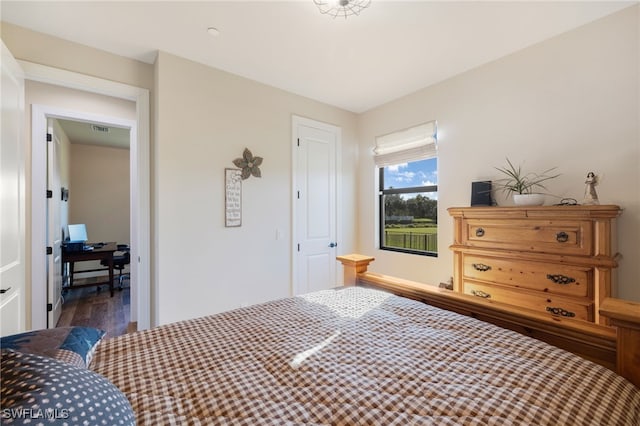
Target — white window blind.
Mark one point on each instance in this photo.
(415, 143)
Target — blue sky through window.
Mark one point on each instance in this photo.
(415, 173)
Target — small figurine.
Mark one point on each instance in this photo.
(590, 196)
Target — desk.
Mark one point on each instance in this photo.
(102, 253)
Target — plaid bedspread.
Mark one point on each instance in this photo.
(357, 356)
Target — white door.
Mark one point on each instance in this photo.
(54, 229)
(315, 198)
(12, 198)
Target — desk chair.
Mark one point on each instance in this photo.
(120, 261)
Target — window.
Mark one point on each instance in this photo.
(408, 191)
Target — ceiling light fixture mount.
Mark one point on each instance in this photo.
(342, 8)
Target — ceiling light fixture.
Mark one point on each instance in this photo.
(344, 8)
(214, 32)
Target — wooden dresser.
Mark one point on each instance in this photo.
(553, 259)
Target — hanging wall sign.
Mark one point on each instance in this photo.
(233, 197)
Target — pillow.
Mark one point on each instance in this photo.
(37, 389)
(74, 345)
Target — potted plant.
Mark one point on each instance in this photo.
(523, 185)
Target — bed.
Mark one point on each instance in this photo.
(357, 356)
(350, 356)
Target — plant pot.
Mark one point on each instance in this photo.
(528, 199)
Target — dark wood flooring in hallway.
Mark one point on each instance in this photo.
(92, 308)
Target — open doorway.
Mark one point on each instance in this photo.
(140, 185)
(141, 307)
(89, 166)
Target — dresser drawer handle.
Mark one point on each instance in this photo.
(479, 232)
(481, 267)
(560, 279)
(562, 237)
(560, 311)
(480, 293)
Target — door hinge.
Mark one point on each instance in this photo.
(49, 307)
(49, 193)
(298, 141)
(49, 137)
(49, 250)
(298, 195)
(298, 246)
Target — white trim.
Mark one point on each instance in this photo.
(38, 223)
(296, 122)
(339, 212)
(73, 80)
(140, 185)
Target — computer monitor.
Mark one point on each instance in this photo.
(78, 233)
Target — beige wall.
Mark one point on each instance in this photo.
(570, 102)
(201, 266)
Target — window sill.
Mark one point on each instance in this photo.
(418, 252)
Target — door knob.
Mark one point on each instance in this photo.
(332, 245)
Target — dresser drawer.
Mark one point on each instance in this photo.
(547, 277)
(541, 302)
(559, 258)
(543, 236)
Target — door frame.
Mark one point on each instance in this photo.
(40, 115)
(297, 121)
(54, 236)
(139, 159)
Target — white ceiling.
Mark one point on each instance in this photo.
(392, 49)
(85, 133)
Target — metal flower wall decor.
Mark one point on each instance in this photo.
(249, 164)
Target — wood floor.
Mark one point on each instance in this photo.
(89, 307)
